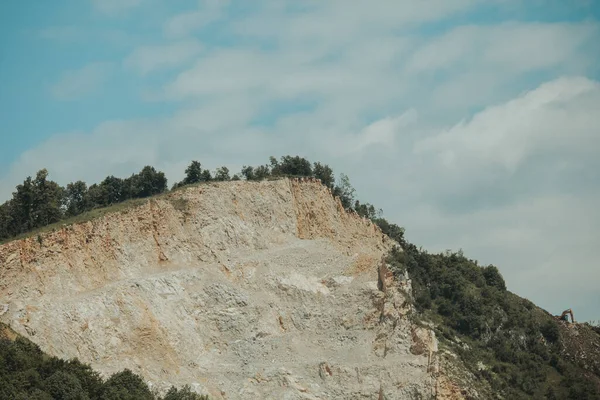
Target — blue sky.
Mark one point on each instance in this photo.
(471, 123)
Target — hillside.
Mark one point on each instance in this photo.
(240, 289)
(273, 290)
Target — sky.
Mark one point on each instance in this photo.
(473, 124)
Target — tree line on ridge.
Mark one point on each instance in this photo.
(40, 201)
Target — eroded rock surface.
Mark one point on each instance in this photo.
(264, 290)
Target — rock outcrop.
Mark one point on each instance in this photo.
(245, 290)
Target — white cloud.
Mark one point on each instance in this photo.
(80, 82)
(371, 58)
(557, 116)
(115, 7)
(518, 186)
(185, 23)
(344, 82)
(335, 22)
(146, 59)
(536, 45)
(513, 46)
(381, 134)
(484, 63)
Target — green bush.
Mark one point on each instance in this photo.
(493, 277)
(184, 393)
(63, 385)
(550, 331)
(125, 385)
(27, 373)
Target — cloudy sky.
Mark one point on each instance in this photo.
(473, 124)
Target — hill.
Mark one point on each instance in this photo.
(239, 289)
(273, 289)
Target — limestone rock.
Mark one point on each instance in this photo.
(244, 290)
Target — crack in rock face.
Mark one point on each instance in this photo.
(244, 290)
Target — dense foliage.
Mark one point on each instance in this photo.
(26, 373)
(40, 202)
(519, 344)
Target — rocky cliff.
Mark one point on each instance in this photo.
(245, 290)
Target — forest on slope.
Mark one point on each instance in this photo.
(517, 349)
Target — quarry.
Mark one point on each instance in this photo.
(244, 290)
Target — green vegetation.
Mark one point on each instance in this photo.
(26, 373)
(519, 344)
(40, 202)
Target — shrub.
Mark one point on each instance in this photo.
(494, 278)
(550, 331)
(184, 393)
(63, 385)
(125, 385)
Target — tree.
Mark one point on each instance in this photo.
(148, 182)
(394, 231)
(22, 207)
(34, 394)
(248, 172)
(114, 190)
(91, 380)
(47, 200)
(193, 173)
(261, 172)
(6, 225)
(95, 196)
(493, 277)
(35, 203)
(255, 174)
(63, 385)
(324, 173)
(367, 210)
(222, 174)
(550, 331)
(185, 393)
(274, 164)
(206, 176)
(291, 166)
(125, 385)
(345, 191)
(77, 199)
(111, 190)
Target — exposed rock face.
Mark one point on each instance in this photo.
(264, 290)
